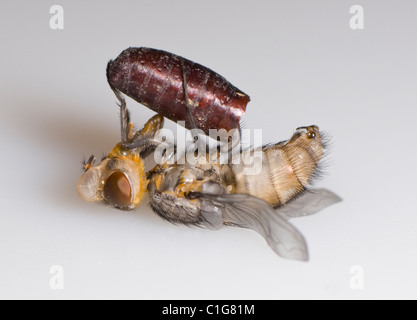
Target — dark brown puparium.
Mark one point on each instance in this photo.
(154, 78)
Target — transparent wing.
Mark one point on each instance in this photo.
(246, 211)
(310, 202)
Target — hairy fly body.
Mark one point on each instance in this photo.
(211, 194)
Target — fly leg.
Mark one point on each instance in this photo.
(185, 87)
(234, 146)
(143, 138)
(125, 125)
(232, 143)
(198, 141)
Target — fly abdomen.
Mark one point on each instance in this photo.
(287, 168)
(155, 78)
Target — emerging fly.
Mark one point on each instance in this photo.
(206, 192)
(212, 194)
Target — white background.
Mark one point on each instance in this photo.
(301, 64)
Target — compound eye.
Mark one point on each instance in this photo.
(117, 190)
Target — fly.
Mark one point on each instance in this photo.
(212, 194)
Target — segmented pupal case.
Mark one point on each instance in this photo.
(155, 78)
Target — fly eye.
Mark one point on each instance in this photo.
(117, 190)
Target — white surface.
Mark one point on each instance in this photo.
(300, 63)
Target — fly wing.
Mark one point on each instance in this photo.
(310, 202)
(250, 212)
